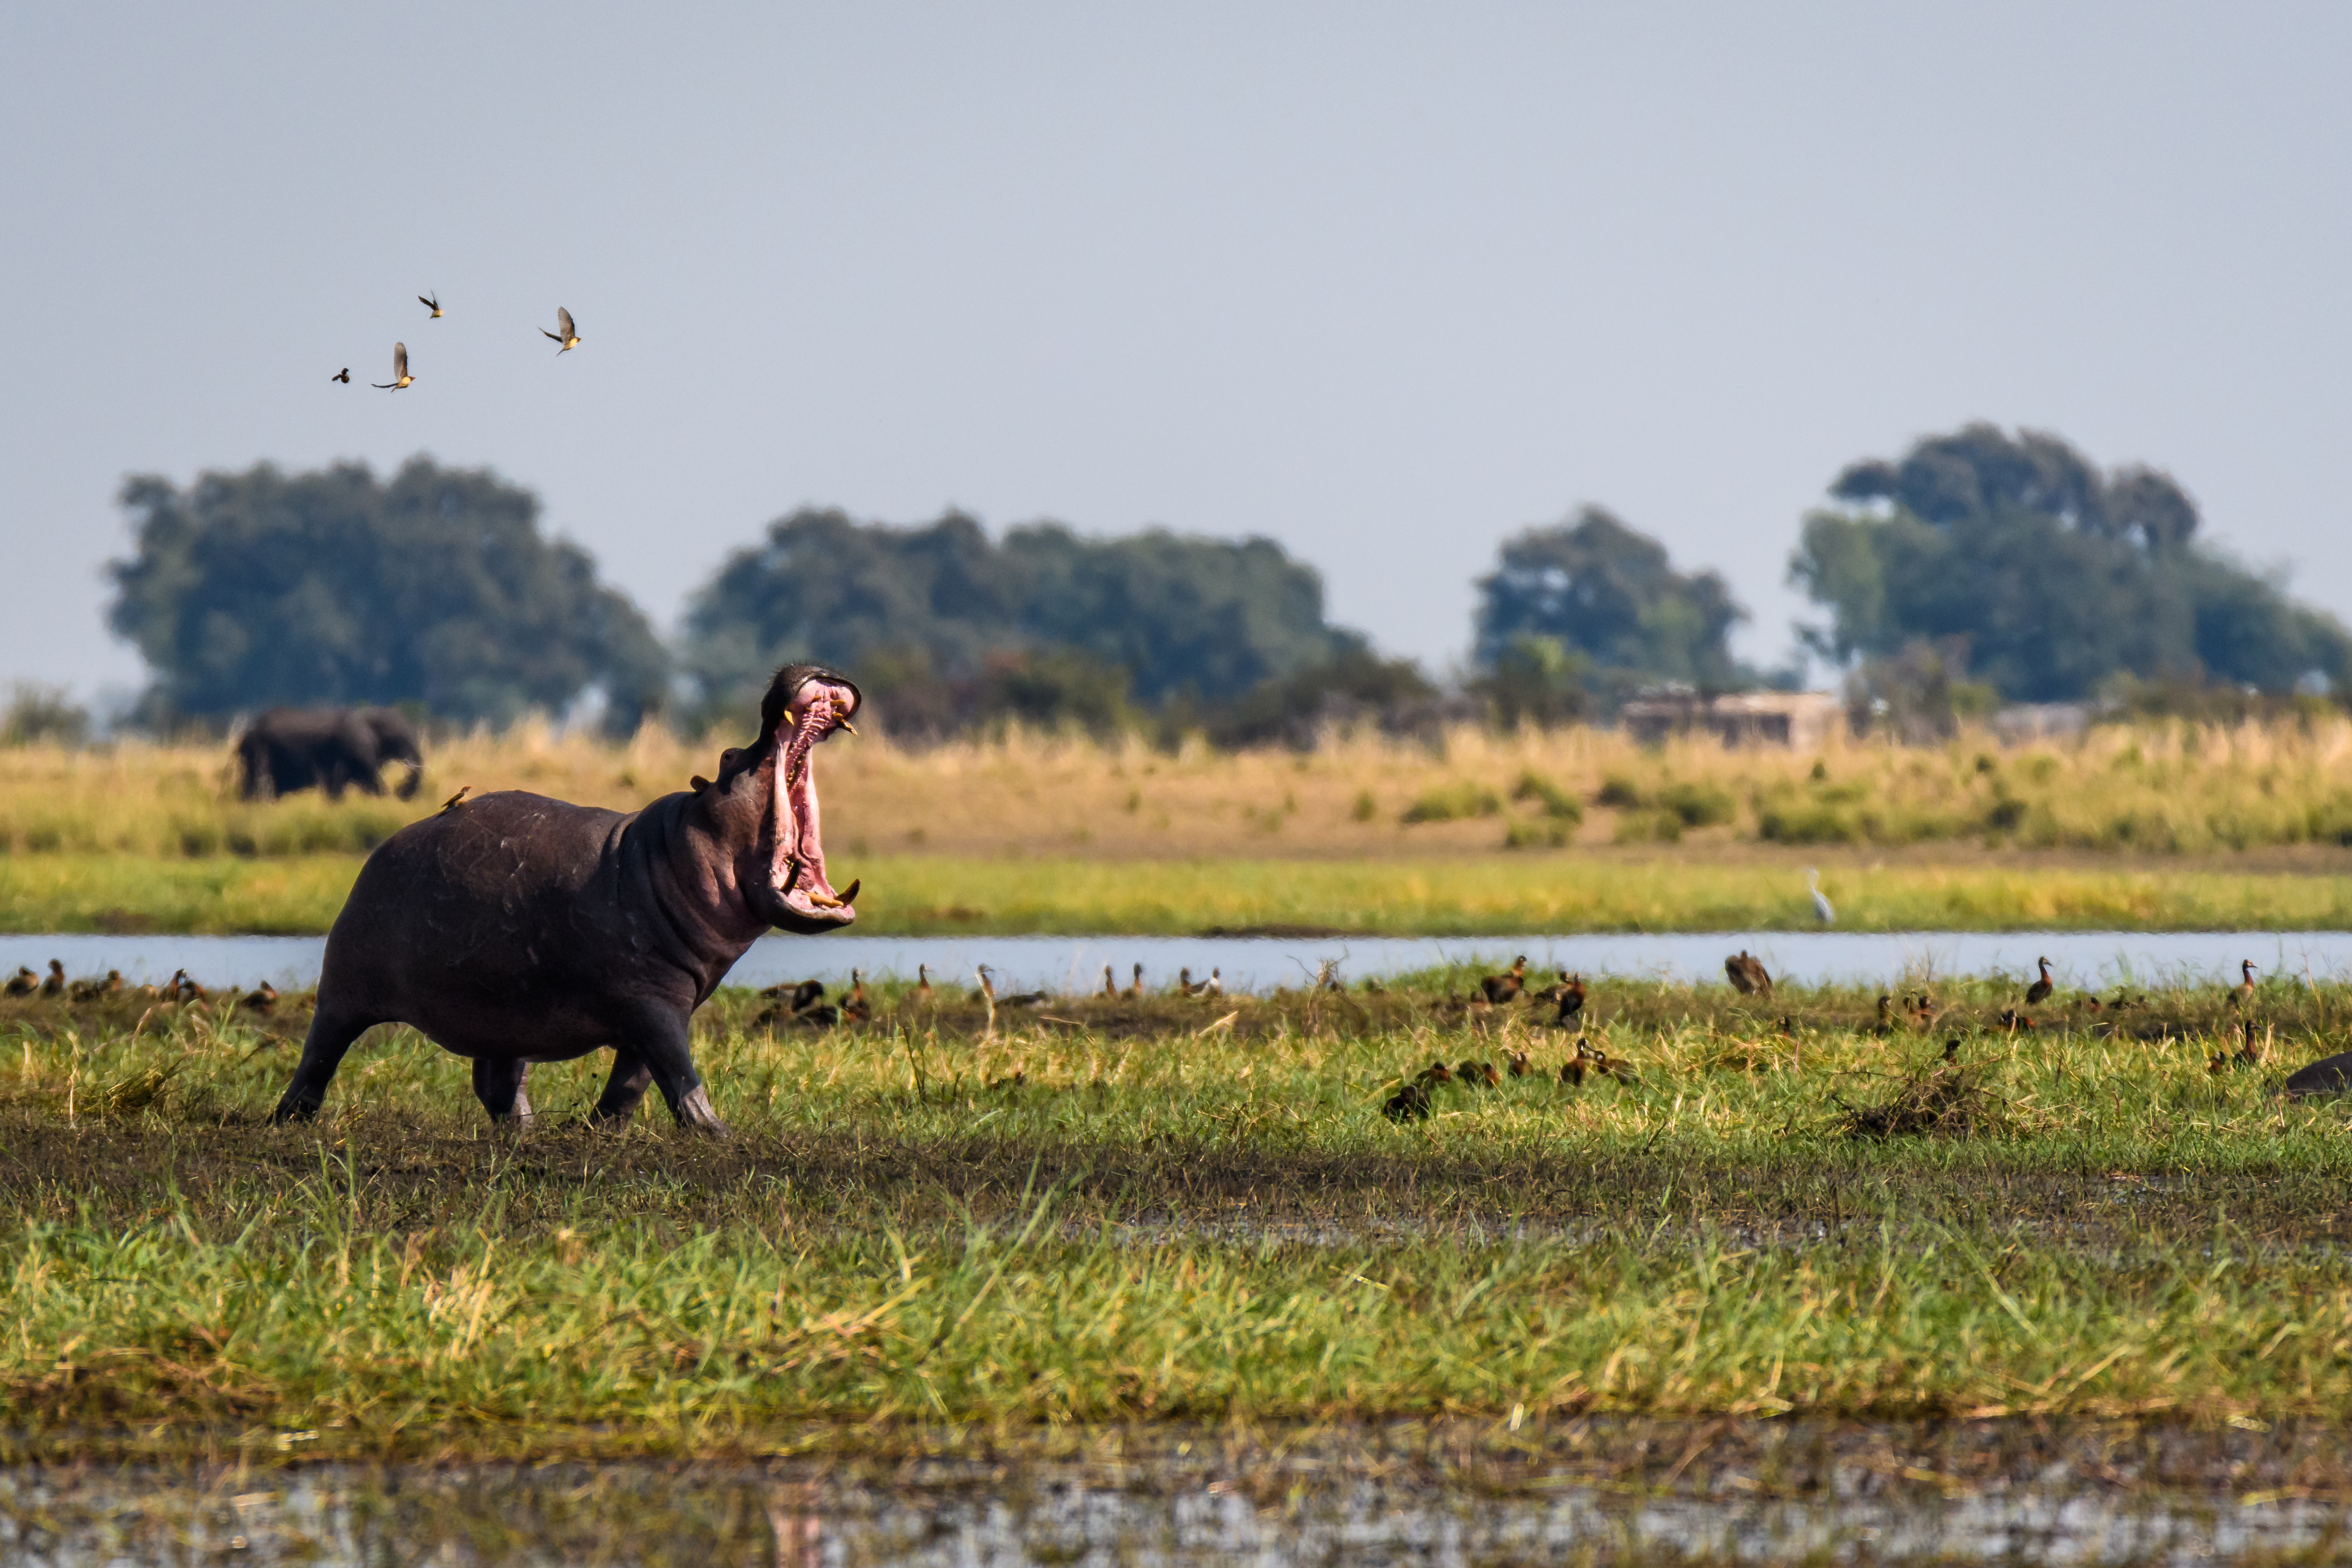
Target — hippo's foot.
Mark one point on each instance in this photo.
(294, 1108)
(695, 1115)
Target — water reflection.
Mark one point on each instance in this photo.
(1847, 1493)
(1068, 964)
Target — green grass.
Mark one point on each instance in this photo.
(1502, 896)
(1182, 1211)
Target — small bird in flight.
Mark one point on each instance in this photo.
(400, 376)
(568, 337)
(343, 375)
(431, 302)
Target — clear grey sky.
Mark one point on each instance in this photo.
(1385, 283)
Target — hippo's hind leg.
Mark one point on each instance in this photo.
(631, 1078)
(498, 1084)
(332, 1034)
(658, 1038)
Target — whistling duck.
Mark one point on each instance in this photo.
(1588, 1058)
(1571, 1001)
(1952, 1051)
(858, 1008)
(92, 990)
(1518, 1063)
(1409, 1103)
(1886, 1013)
(1215, 986)
(1478, 1074)
(260, 1000)
(1110, 985)
(185, 989)
(1184, 982)
(923, 982)
(1020, 999)
(2242, 993)
(1502, 988)
(2039, 992)
(1435, 1073)
(1135, 985)
(2011, 1018)
(1747, 974)
(23, 983)
(54, 985)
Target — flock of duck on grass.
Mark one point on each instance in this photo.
(179, 990)
(1519, 1003)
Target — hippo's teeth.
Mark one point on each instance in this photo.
(792, 879)
(849, 894)
(845, 724)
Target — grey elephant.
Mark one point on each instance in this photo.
(331, 748)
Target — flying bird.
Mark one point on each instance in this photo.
(1822, 910)
(400, 376)
(343, 375)
(567, 336)
(431, 302)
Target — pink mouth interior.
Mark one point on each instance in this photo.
(817, 710)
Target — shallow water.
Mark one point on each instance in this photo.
(1721, 1491)
(1065, 964)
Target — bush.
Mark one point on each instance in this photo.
(1698, 805)
(1649, 828)
(1806, 823)
(1621, 792)
(36, 713)
(1538, 835)
(1453, 802)
(1558, 803)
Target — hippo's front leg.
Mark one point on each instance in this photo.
(658, 1040)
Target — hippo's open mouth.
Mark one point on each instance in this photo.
(796, 872)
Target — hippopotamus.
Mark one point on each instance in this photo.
(512, 928)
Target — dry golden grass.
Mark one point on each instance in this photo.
(2160, 790)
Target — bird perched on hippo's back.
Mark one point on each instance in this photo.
(521, 929)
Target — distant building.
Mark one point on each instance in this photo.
(2020, 723)
(1799, 720)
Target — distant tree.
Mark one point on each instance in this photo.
(1536, 680)
(925, 611)
(38, 714)
(2015, 557)
(250, 589)
(1600, 590)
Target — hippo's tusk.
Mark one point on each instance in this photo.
(849, 894)
(845, 724)
(791, 881)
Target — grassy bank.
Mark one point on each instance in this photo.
(1171, 1210)
(1564, 892)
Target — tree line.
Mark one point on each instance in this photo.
(1980, 565)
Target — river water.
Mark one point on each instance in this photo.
(1066, 964)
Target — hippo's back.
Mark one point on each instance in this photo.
(481, 918)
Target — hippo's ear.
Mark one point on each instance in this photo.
(697, 783)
